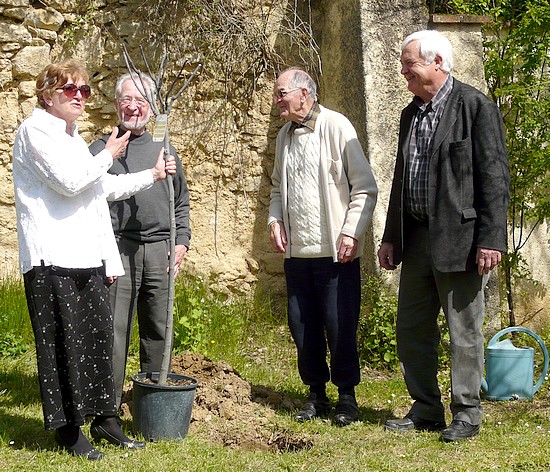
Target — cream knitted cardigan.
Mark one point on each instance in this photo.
(347, 184)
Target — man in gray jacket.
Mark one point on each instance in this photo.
(446, 224)
(322, 201)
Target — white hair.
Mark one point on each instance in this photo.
(431, 44)
(138, 80)
(301, 79)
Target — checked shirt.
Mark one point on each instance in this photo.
(424, 126)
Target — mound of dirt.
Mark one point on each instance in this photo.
(230, 411)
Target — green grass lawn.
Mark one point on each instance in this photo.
(515, 435)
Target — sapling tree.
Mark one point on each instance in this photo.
(161, 100)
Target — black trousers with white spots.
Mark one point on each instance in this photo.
(72, 323)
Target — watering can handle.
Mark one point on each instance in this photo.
(511, 329)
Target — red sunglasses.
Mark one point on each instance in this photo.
(70, 90)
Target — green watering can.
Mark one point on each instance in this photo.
(509, 369)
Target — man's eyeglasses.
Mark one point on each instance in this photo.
(284, 93)
(140, 102)
(70, 90)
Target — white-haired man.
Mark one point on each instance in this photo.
(322, 201)
(446, 224)
(142, 229)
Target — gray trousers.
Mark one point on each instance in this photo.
(423, 291)
(144, 288)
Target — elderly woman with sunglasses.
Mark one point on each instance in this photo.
(68, 256)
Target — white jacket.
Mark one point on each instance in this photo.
(60, 198)
(347, 184)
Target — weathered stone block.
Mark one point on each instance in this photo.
(9, 47)
(9, 105)
(46, 35)
(15, 3)
(16, 33)
(30, 61)
(47, 18)
(27, 106)
(5, 72)
(71, 5)
(37, 42)
(18, 13)
(6, 192)
(27, 88)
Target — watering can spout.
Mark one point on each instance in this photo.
(509, 369)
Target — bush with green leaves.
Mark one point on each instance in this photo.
(12, 344)
(376, 334)
(202, 317)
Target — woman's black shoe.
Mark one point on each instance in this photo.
(109, 428)
(73, 441)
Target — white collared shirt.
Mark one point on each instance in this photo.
(61, 194)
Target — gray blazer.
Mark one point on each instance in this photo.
(468, 183)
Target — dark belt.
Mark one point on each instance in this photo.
(66, 272)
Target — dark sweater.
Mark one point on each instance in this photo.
(145, 216)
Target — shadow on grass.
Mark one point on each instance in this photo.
(20, 432)
(18, 388)
(19, 393)
(375, 417)
(288, 402)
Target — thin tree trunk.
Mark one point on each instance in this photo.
(167, 353)
(510, 295)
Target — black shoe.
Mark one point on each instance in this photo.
(109, 428)
(77, 445)
(313, 408)
(412, 422)
(347, 411)
(459, 430)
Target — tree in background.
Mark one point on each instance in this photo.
(517, 47)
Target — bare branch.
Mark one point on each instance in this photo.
(187, 82)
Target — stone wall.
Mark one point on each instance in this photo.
(228, 152)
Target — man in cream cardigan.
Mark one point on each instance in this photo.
(322, 200)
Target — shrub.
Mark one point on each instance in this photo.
(202, 318)
(376, 334)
